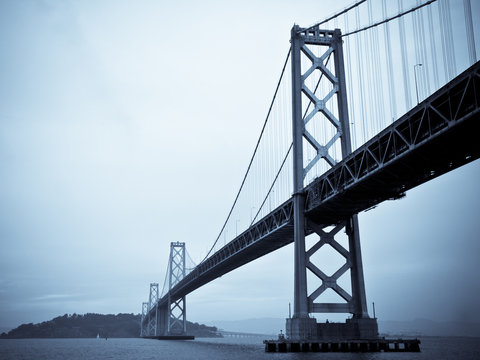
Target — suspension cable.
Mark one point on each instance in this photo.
(192, 263)
(347, 9)
(289, 149)
(252, 158)
(165, 282)
(273, 183)
(389, 19)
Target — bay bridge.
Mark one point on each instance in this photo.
(387, 100)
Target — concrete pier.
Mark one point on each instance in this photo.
(308, 329)
(374, 345)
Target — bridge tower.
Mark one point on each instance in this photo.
(143, 323)
(332, 109)
(166, 317)
(152, 302)
(176, 319)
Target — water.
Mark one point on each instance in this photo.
(433, 348)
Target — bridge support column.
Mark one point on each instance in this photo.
(162, 316)
(300, 306)
(152, 303)
(315, 47)
(143, 322)
(356, 270)
(165, 318)
(176, 320)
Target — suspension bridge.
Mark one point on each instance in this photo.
(386, 101)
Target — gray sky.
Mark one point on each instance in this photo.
(127, 125)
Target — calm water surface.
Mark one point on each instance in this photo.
(433, 348)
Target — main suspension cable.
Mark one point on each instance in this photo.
(347, 9)
(273, 183)
(252, 158)
(289, 149)
(389, 19)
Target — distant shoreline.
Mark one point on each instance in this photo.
(92, 326)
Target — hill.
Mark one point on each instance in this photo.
(91, 325)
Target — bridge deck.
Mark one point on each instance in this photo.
(437, 136)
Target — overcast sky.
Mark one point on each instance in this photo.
(127, 125)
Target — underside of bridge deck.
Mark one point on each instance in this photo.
(437, 136)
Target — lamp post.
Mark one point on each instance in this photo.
(415, 73)
(270, 199)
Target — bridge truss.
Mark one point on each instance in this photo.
(437, 136)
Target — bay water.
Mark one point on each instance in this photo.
(250, 348)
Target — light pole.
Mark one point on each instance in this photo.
(270, 198)
(415, 73)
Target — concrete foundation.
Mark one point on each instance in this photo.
(301, 328)
(351, 329)
(376, 345)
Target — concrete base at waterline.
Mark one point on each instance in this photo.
(372, 345)
(301, 328)
(351, 329)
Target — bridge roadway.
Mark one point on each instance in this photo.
(437, 136)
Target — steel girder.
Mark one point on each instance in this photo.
(437, 136)
(177, 319)
(434, 149)
(268, 234)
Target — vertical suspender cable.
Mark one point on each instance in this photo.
(423, 47)
(286, 140)
(378, 79)
(251, 159)
(349, 77)
(433, 50)
(467, 8)
(447, 37)
(391, 78)
(360, 77)
(403, 47)
(451, 44)
(441, 14)
(372, 116)
(418, 55)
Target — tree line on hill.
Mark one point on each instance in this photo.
(91, 325)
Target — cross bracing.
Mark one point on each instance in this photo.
(437, 136)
